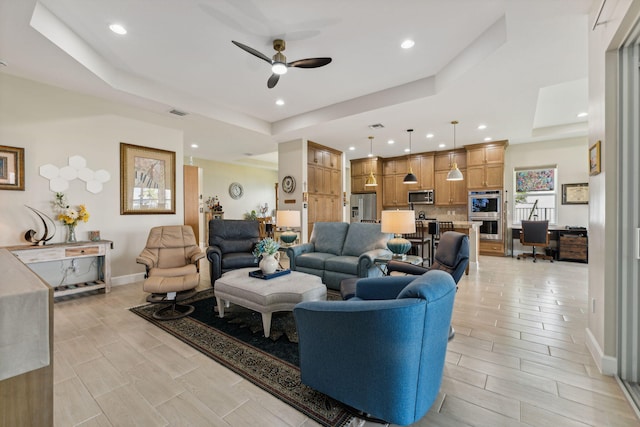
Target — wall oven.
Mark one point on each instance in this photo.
(486, 207)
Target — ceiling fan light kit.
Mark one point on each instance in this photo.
(410, 178)
(454, 174)
(279, 64)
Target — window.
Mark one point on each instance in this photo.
(536, 194)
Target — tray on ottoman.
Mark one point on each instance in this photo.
(258, 274)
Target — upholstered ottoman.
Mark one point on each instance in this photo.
(171, 290)
(267, 296)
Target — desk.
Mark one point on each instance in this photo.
(571, 244)
(68, 251)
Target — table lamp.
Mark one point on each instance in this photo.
(288, 219)
(398, 222)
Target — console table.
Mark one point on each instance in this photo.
(67, 251)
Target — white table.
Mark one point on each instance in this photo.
(267, 296)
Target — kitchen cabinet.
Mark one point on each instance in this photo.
(395, 166)
(444, 159)
(423, 168)
(324, 181)
(449, 193)
(485, 166)
(394, 191)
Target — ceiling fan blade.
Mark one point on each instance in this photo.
(252, 51)
(273, 80)
(309, 63)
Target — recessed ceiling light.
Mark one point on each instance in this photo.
(118, 29)
(406, 150)
(481, 127)
(488, 138)
(429, 135)
(407, 44)
(583, 114)
(352, 148)
(391, 141)
(194, 145)
(279, 102)
(441, 145)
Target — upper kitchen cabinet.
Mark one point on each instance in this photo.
(360, 169)
(485, 165)
(449, 193)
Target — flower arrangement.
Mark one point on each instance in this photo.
(213, 203)
(68, 215)
(267, 245)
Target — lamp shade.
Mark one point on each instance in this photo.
(371, 180)
(398, 222)
(410, 178)
(454, 174)
(288, 218)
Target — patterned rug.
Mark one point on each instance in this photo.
(237, 342)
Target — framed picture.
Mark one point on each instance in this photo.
(147, 180)
(575, 194)
(11, 168)
(535, 180)
(594, 159)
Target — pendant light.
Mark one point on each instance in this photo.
(454, 174)
(410, 178)
(371, 179)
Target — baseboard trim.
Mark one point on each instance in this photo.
(126, 280)
(607, 365)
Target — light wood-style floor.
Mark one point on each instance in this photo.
(518, 358)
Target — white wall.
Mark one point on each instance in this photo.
(619, 17)
(52, 124)
(570, 156)
(258, 185)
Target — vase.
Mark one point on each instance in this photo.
(269, 263)
(71, 233)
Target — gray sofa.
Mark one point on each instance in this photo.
(338, 250)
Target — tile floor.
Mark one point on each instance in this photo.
(518, 358)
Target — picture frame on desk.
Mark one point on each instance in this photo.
(575, 194)
(147, 180)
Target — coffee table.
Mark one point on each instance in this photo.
(267, 296)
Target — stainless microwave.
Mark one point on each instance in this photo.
(421, 197)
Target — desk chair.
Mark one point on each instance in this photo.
(535, 233)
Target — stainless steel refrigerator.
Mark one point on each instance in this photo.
(363, 207)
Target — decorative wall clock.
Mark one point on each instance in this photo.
(288, 184)
(235, 190)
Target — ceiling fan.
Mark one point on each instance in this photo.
(279, 62)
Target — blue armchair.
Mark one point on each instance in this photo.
(381, 352)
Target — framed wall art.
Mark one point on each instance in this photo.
(594, 159)
(147, 180)
(575, 194)
(535, 180)
(11, 168)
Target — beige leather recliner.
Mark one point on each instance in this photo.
(171, 258)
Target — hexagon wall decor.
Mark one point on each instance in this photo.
(76, 169)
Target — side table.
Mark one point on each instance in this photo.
(381, 262)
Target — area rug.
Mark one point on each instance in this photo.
(237, 342)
